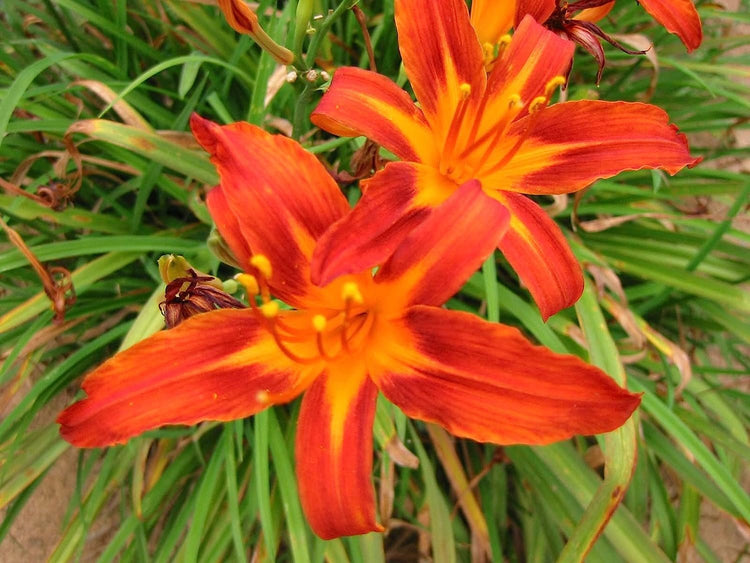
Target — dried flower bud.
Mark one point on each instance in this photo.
(189, 292)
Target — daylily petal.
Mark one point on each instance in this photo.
(229, 227)
(361, 102)
(679, 17)
(395, 201)
(492, 19)
(540, 255)
(540, 10)
(334, 452)
(593, 15)
(572, 144)
(282, 197)
(441, 56)
(486, 382)
(220, 365)
(437, 258)
(534, 57)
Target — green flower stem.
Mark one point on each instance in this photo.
(325, 25)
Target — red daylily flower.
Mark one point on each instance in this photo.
(495, 128)
(576, 20)
(342, 343)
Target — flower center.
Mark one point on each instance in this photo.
(473, 155)
(308, 337)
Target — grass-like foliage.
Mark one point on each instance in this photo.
(100, 177)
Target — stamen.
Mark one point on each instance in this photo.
(346, 338)
(489, 53)
(319, 324)
(503, 43)
(534, 109)
(455, 128)
(269, 310)
(552, 85)
(250, 283)
(350, 292)
(262, 264)
(514, 102)
(537, 104)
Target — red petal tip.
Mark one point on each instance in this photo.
(203, 130)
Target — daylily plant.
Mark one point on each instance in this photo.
(576, 21)
(495, 128)
(342, 343)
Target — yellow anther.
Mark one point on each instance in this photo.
(514, 101)
(319, 323)
(350, 292)
(269, 310)
(553, 84)
(489, 51)
(262, 396)
(465, 90)
(537, 103)
(249, 282)
(262, 264)
(504, 41)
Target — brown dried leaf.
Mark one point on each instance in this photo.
(598, 225)
(181, 138)
(386, 491)
(607, 278)
(642, 43)
(559, 204)
(626, 319)
(400, 454)
(56, 280)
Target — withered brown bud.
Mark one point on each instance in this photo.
(190, 292)
(365, 161)
(191, 295)
(584, 33)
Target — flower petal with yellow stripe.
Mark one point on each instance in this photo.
(494, 127)
(334, 452)
(343, 342)
(536, 248)
(221, 365)
(377, 108)
(487, 382)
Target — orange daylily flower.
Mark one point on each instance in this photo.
(343, 343)
(495, 128)
(576, 21)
